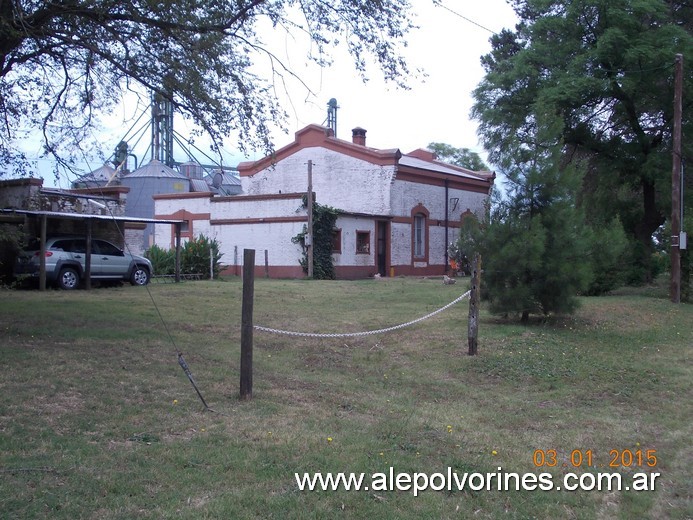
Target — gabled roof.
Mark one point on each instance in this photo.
(320, 136)
(417, 166)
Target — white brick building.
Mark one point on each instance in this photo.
(398, 212)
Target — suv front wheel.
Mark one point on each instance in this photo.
(140, 276)
(68, 278)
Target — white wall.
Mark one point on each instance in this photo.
(274, 237)
(401, 244)
(349, 226)
(339, 180)
(407, 195)
(196, 205)
(240, 207)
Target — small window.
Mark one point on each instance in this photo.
(363, 242)
(185, 226)
(337, 241)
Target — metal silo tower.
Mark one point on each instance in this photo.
(162, 130)
(332, 115)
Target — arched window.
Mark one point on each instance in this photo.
(419, 235)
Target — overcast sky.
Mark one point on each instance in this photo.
(447, 46)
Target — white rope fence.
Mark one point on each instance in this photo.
(366, 333)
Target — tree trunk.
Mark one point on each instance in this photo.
(651, 219)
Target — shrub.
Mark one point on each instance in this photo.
(195, 257)
(163, 260)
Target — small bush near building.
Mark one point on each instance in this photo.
(194, 258)
(163, 260)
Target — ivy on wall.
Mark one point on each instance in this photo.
(324, 220)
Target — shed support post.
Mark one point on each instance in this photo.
(87, 257)
(42, 260)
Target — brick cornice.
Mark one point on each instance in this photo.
(315, 136)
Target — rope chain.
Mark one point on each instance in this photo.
(366, 333)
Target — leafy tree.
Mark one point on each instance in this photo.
(608, 257)
(604, 69)
(687, 263)
(463, 157)
(63, 63)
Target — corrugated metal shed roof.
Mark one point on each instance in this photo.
(199, 185)
(157, 169)
(227, 178)
(85, 216)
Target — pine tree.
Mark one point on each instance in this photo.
(536, 244)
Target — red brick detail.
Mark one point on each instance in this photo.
(275, 271)
(183, 214)
(318, 136)
(420, 209)
(424, 155)
(410, 270)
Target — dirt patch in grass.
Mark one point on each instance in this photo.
(53, 407)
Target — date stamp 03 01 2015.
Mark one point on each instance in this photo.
(625, 458)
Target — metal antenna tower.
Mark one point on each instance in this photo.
(162, 130)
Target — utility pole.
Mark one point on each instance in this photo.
(309, 236)
(675, 292)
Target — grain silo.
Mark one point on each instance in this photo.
(153, 178)
(97, 178)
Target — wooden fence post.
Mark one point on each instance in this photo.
(42, 259)
(473, 328)
(247, 324)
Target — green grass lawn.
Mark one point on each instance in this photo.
(97, 419)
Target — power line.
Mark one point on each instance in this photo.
(466, 19)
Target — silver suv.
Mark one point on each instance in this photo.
(65, 262)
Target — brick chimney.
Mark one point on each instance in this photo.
(358, 136)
